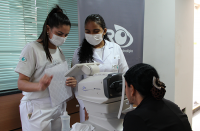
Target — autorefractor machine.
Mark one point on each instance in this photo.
(103, 95)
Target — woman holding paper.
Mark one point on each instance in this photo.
(96, 47)
(36, 110)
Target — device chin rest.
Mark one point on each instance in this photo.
(90, 69)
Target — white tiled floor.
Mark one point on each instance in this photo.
(196, 121)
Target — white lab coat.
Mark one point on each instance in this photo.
(113, 61)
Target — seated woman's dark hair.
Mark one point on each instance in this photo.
(86, 50)
(55, 18)
(141, 77)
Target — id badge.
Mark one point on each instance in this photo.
(115, 68)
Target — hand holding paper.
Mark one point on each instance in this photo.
(71, 81)
(44, 82)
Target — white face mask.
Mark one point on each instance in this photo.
(94, 39)
(57, 40)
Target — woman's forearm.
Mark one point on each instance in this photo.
(27, 86)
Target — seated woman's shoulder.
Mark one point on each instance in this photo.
(171, 104)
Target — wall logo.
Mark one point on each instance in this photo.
(122, 36)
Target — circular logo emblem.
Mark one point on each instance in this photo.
(23, 59)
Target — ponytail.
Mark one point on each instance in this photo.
(145, 80)
(55, 18)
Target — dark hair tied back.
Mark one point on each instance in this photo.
(141, 77)
(158, 94)
(55, 18)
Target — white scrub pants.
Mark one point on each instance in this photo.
(81, 111)
(44, 117)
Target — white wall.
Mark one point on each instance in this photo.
(168, 46)
(159, 40)
(196, 75)
(184, 54)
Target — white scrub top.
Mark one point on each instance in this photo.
(33, 62)
(99, 51)
(112, 60)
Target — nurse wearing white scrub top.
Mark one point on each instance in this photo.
(36, 110)
(97, 45)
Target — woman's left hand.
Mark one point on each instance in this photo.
(71, 81)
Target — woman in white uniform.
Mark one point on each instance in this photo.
(96, 47)
(36, 111)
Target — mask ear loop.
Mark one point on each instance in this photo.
(50, 32)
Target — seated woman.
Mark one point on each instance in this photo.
(153, 112)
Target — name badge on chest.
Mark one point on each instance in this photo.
(115, 68)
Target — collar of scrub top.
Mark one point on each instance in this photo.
(106, 53)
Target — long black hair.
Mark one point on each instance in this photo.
(55, 18)
(141, 77)
(86, 50)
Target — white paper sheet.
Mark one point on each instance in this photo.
(58, 90)
(82, 127)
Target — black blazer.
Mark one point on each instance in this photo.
(154, 115)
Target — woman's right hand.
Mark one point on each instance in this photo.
(44, 82)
